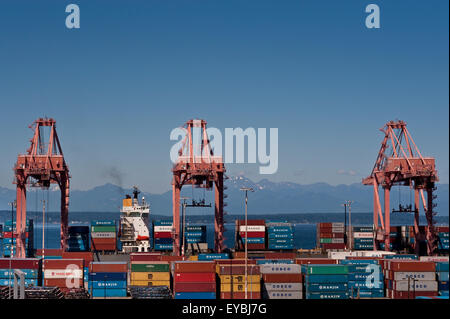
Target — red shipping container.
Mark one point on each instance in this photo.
(253, 234)
(274, 278)
(235, 262)
(8, 234)
(194, 277)
(19, 263)
(104, 247)
(108, 267)
(240, 295)
(145, 257)
(411, 294)
(195, 266)
(256, 246)
(412, 266)
(101, 241)
(332, 246)
(325, 225)
(363, 258)
(272, 255)
(87, 256)
(252, 222)
(239, 269)
(162, 234)
(194, 286)
(62, 263)
(315, 261)
(64, 283)
(172, 258)
(49, 252)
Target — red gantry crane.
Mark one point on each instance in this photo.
(400, 162)
(43, 165)
(202, 170)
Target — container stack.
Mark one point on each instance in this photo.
(162, 235)
(103, 235)
(408, 279)
(365, 278)
(63, 273)
(150, 273)
(330, 235)
(255, 232)
(282, 281)
(10, 238)
(232, 279)
(29, 266)
(362, 238)
(78, 239)
(108, 279)
(280, 236)
(86, 256)
(443, 234)
(326, 281)
(194, 280)
(195, 237)
(442, 277)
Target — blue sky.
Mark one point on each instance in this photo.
(137, 69)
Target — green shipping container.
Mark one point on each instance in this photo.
(327, 270)
(326, 240)
(150, 268)
(103, 229)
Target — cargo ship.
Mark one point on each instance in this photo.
(134, 233)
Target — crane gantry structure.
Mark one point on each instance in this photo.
(196, 165)
(41, 166)
(400, 162)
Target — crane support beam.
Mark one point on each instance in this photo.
(41, 166)
(401, 163)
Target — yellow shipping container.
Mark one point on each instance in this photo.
(236, 279)
(147, 283)
(150, 276)
(193, 258)
(255, 287)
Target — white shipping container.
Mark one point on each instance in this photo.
(337, 240)
(103, 234)
(254, 228)
(282, 294)
(63, 273)
(287, 286)
(433, 258)
(161, 229)
(415, 275)
(280, 269)
(419, 285)
(337, 225)
(362, 235)
(338, 230)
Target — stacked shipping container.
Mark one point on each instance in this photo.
(194, 280)
(108, 279)
(10, 238)
(362, 238)
(442, 277)
(63, 273)
(30, 267)
(103, 235)
(365, 278)
(232, 279)
(280, 235)
(255, 231)
(326, 281)
(443, 234)
(162, 235)
(282, 281)
(150, 273)
(330, 235)
(408, 279)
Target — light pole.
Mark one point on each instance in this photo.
(348, 204)
(184, 223)
(246, 189)
(13, 205)
(43, 237)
